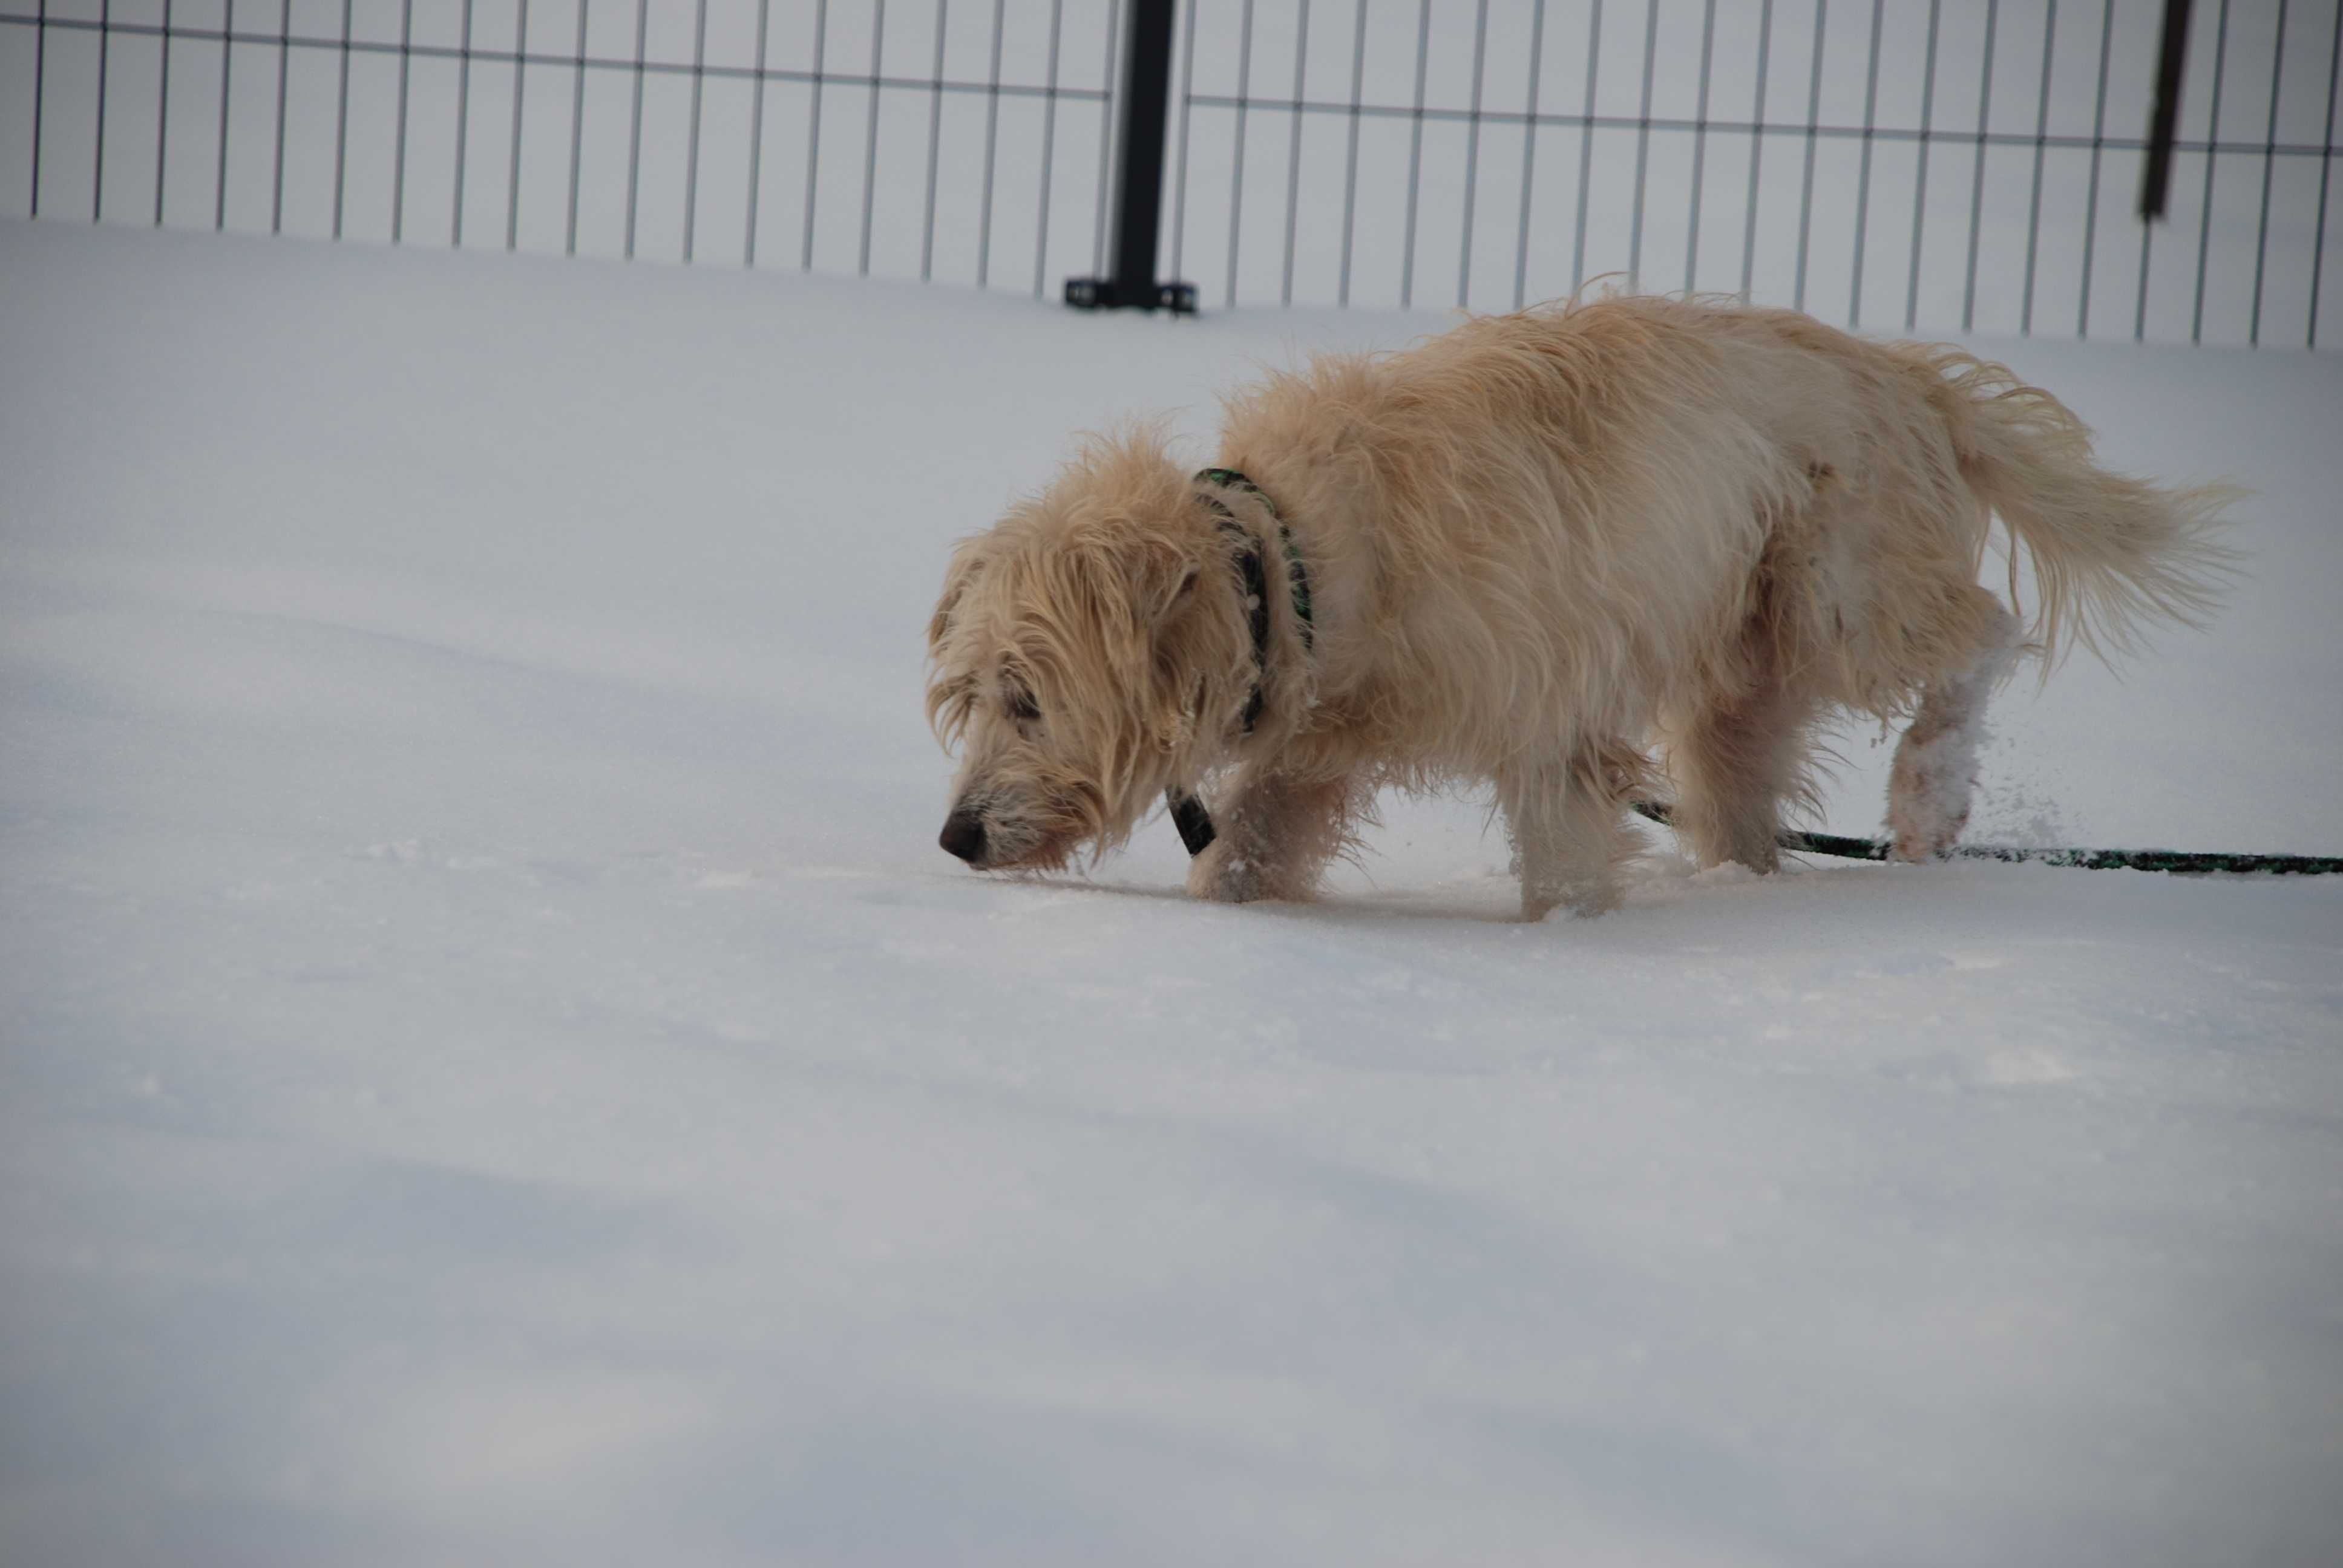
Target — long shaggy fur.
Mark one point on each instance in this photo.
(1541, 546)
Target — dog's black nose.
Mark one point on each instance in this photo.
(963, 835)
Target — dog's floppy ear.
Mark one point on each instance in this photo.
(1185, 587)
(1167, 580)
(1177, 637)
(967, 566)
(1137, 585)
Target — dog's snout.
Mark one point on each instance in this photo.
(963, 835)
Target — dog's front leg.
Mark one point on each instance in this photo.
(1276, 834)
(1564, 820)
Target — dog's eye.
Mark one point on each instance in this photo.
(1021, 706)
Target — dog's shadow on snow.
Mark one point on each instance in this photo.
(1497, 903)
(1657, 878)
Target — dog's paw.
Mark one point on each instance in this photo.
(1920, 848)
(1927, 802)
(1583, 900)
(1223, 878)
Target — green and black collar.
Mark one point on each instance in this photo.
(1187, 813)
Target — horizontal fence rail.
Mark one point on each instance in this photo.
(1896, 165)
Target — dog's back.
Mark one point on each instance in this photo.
(1566, 518)
(1625, 485)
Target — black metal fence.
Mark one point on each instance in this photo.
(935, 140)
(1899, 164)
(1968, 164)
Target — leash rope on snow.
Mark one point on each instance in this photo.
(2183, 862)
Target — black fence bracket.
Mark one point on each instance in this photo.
(1139, 176)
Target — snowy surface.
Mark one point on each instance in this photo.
(493, 1067)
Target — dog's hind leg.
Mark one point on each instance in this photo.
(1935, 762)
(1276, 834)
(1565, 819)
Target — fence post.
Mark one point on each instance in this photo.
(1139, 175)
(2164, 118)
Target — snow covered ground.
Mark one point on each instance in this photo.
(493, 1067)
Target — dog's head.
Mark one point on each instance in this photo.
(1086, 653)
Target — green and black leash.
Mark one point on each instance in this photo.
(2181, 863)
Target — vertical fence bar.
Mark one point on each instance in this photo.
(1472, 151)
(2269, 164)
(1920, 174)
(2326, 168)
(40, 101)
(1415, 155)
(691, 148)
(1699, 144)
(576, 129)
(1862, 178)
(398, 142)
(463, 124)
(1976, 178)
(163, 113)
(1749, 212)
(813, 132)
(97, 160)
(757, 135)
(1350, 161)
(2212, 162)
(520, 85)
(1814, 124)
(1049, 147)
(2041, 147)
(1586, 148)
(342, 119)
(1187, 103)
(1236, 156)
(1100, 202)
(228, 54)
(284, 65)
(1643, 143)
(871, 134)
(2099, 144)
(1293, 147)
(635, 126)
(1529, 154)
(935, 146)
(2157, 180)
(991, 141)
(1757, 149)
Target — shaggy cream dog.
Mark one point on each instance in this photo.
(1526, 552)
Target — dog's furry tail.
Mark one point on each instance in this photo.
(2109, 553)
